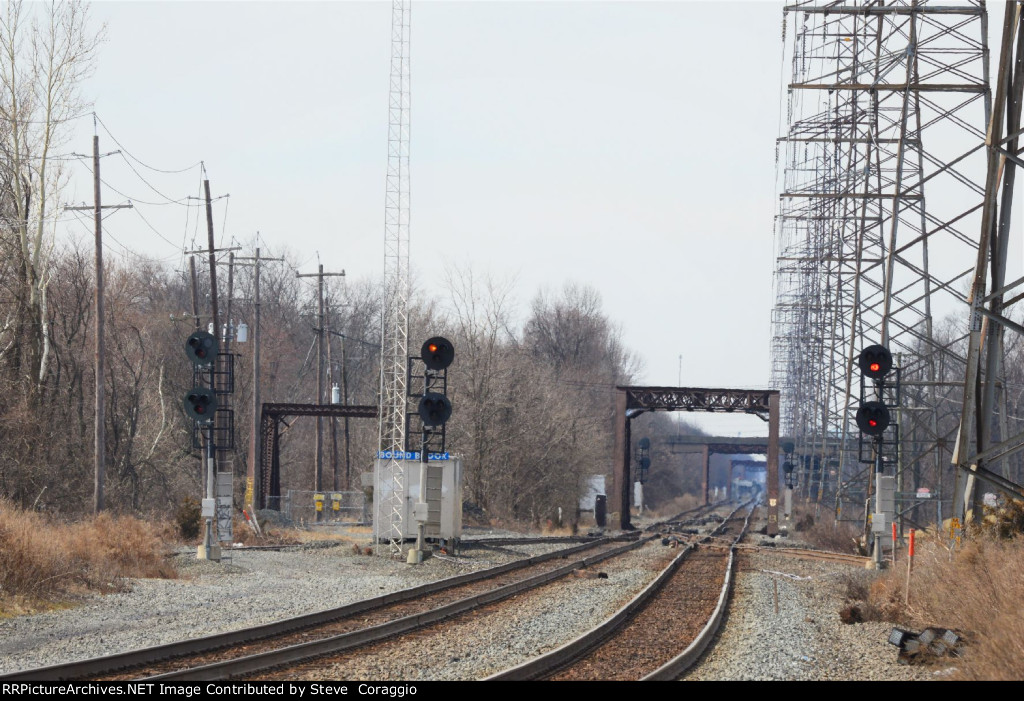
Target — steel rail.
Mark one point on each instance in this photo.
(684, 660)
(813, 554)
(561, 657)
(260, 662)
(677, 666)
(149, 655)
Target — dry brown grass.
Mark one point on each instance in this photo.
(42, 562)
(823, 532)
(686, 502)
(978, 590)
(975, 590)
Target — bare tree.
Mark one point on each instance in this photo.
(43, 60)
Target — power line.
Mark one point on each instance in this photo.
(164, 238)
(134, 158)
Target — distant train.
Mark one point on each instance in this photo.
(743, 489)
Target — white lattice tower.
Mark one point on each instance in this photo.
(395, 319)
(882, 158)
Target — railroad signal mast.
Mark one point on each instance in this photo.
(642, 454)
(201, 406)
(790, 479)
(434, 410)
(879, 391)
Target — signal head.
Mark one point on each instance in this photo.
(434, 409)
(437, 353)
(873, 418)
(201, 404)
(201, 348)
(875, 361)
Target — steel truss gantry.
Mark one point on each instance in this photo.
(630, 402)
(879, 198)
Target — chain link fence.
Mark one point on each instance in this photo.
(304, 508)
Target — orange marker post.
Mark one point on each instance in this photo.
(910, 565)
(893, 543)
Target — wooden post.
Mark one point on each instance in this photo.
(100, 454)
(254, 470)
(213, 264)
(254, 467)
(320, 275)
(195, 289)
(320, 381)
(100, 438)
(344, 402)
(333, 421)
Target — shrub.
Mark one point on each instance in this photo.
(975, 589)
(188, 516)
(42, 561)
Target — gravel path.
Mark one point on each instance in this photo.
(805, 641)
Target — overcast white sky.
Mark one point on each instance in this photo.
(624, 145)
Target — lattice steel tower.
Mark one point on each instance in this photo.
(880, 196)
(394, 317)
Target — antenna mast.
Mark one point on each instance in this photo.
(394, 317)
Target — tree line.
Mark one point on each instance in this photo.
(533, 399)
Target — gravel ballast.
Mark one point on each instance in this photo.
(805, 641)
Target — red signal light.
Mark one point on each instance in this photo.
(873, 418)
(875, 362)
(437, 353)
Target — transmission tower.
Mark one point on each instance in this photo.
(879, 198)
(991, 434)
(395, 317)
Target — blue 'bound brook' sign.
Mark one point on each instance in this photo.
(388, 455)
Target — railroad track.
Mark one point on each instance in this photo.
(663, 630)
(355, 624)
(809, 554)
(159, 659)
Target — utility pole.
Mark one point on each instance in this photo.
(195, 289)
(344, 396)
(344, 402)
(100, 436)
(211, 247)
(320, 275)
(254, 468)
(334, 422)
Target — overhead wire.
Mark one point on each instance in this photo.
(154, 229)
(137, 160)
